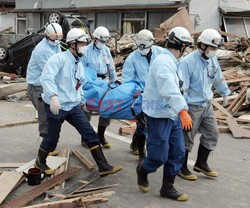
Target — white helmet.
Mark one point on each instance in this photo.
(76, 35)
(101, 33)
(211, 37)
(179, 35)
(54, 31)
(144, 39)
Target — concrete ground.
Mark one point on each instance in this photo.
(231, 159)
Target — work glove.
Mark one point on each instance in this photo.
(186, 120)
(55, 105)
(225, 101)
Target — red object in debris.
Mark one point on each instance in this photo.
(12, 76)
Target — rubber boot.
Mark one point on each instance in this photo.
(168, 190)
(134, 145)
(41, 162)
(201, 162)
(100, 133)
(103, 166)
(142, 178)
(141, 147)
(185, 173)
(54, 153)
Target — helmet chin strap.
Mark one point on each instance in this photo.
(203, 53)
(75, 49)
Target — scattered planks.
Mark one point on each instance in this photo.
(11, 165)
(62, 194)
(12, 88)
(18, 123)
(8, 181)
(76, 202)
(236, 130)
(84, 160)
(62, 153)
(40, 189)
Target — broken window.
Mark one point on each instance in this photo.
(133, 22)
(108, 20)
(156, 18)
(21, 24)
(237, 25)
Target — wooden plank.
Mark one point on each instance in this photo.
(230, 81)
(223, 129)
(126, 130)
(63, 193)
(231, 97)
(52, 161)
(18, 123)
(239, 104)
(95, 188)
(10, 165)
(221, 108)
(237, 99)
(236, 130)
(8, 181)
(40, 189)
(84, 160)
(92, 199)
(64, 167)
(12, 88)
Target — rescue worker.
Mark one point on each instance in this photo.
(136, 67)
(98, 57)
(62, 80)
(49, 46)
(200, 71)
(166, 116)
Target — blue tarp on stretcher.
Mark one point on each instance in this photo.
(117, 102)
(111, 103)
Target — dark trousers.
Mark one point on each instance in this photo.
(76, 118)
(165, 145)
(140, 131)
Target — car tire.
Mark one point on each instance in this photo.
(55, 17)
(3, 53)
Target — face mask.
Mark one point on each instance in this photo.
(99, 45)
(82, 50)
(211, 54)
(54, 43)
(144, 52)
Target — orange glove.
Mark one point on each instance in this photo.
(186, 120)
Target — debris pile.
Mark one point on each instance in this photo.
(56, 193)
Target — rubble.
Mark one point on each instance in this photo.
(70, 195)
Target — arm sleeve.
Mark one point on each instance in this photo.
(111, 69)
(220, 83)
(128, 71)
(185, 76)
(167, 84)
(49, 73)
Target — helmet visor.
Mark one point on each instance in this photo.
(55, 36)
(104, 39)
(143, 46)
(218, 41)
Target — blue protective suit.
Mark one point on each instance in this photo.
(40, 55)
(199, 75)
(101, 61)
(136, 66)
(61, 74)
